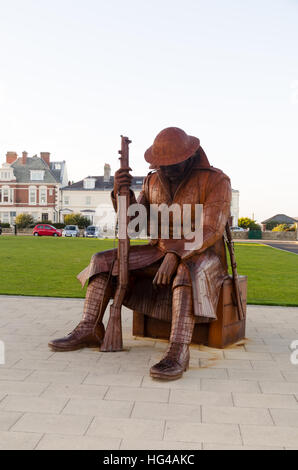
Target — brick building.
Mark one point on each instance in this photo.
(31, 185)
(91, 197)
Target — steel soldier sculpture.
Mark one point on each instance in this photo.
(165, 280)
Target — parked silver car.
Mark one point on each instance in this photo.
(71, 231)
(92, 232)
(237, 229)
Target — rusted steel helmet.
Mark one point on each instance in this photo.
(171, 146)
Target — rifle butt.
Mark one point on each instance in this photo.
(113, 336)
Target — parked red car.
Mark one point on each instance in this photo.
(44, 230)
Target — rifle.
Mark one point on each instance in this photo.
(230, 244)
(113, 336)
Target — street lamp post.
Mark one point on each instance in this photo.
(15, 228)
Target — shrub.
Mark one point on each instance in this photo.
(77, 219)
(58, 225)
(24, 220)
(246, 222)
(4, 225)
(255, 226)
(48, 222)
(271, 225)
(281, 228)
(37, 222)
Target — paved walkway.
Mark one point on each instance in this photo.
(243, 397)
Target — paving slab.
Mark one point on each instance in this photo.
(19, 440)
(264, 400)
(236, 415)
(96, 407)
(136, 394)
(284, 417)
(167, 411)
(286, 436)
(127, 428)
(129, 444)
(51, 423)
(25, 403)
(224, 386)
(62, 442)
(193, 432)
(8, 419)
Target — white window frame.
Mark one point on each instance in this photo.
(43, 192)
(31, 189)
(89, 183)
(5, 194)
(5, 175)
(8, 192)
(37, 175)
(66, 200)
(5, 220)
(88, 200)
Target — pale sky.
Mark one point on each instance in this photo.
(76, 74)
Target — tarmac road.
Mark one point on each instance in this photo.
(291, 246)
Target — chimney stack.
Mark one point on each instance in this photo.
(107, 173)
(45, 156)
(11, 157)
(24, 158)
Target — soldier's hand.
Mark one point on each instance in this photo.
(166, 270)
(122, 178)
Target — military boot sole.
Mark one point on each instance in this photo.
(165, 376)
(58, 348)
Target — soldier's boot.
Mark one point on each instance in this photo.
(176, 359)
(90, 331)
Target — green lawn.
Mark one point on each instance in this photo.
(48, 267)
(272, 274)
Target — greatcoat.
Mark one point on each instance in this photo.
(203, 269)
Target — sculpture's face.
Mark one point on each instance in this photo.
(175, 171)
